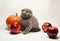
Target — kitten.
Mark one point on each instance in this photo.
(28, 21)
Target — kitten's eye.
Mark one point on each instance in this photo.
(30, 12)
(27, 12)
(23, 10)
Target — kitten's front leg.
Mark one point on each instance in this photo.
(28, 28)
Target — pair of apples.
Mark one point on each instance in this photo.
(13, 23)
(50, 30)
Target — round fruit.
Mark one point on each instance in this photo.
(11, 19)
(15, 28)
(52, 32)
(45, 26)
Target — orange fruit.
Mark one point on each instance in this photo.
(11, 19)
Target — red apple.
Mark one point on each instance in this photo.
(11, 19)
(15, 28)
(52, 32)
(45, 26)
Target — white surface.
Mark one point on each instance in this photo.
(38, 36)
(43, 10)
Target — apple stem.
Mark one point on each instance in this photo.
(16, 14)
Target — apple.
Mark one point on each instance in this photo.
(15, 28)
(11, 19)
(45, 26)
(52, 32)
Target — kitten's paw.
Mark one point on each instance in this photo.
(25, 33)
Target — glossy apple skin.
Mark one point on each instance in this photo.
(52, 32)
(15, 28)
(45, 26)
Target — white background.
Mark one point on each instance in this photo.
(43, 10)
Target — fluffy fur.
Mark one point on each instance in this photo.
(29, 22)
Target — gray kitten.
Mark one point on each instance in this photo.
(28, 21)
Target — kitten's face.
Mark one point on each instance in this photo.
(26, 13)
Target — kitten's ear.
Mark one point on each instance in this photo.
(22, 10)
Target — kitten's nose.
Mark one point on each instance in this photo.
(27, 14)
